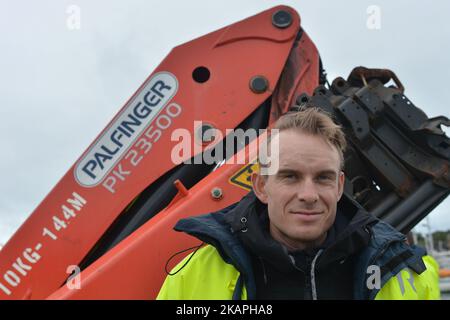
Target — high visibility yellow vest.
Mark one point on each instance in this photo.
(208, 277)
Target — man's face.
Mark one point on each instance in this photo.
(303, 194)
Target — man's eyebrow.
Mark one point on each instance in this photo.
(284, 171)
(328, 172)
(325, 172)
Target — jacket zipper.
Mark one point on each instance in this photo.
(313, 275)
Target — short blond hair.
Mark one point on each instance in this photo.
(315, 121)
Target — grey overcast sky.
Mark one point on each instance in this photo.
(60, 87)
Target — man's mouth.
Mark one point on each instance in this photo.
(307, 213)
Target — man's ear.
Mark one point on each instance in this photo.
(258, 183)
(341, 181)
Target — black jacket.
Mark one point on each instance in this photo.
(280, 274)
(337, 270)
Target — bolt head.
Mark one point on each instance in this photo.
(282, 19)
(216, 193)
(259, 84)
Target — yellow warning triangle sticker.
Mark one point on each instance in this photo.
(242, 178)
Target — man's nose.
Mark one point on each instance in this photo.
(307, 192)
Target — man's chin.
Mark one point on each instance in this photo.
(307, 235)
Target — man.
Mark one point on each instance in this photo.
(297, 237)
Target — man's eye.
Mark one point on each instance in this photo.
(325, 178)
